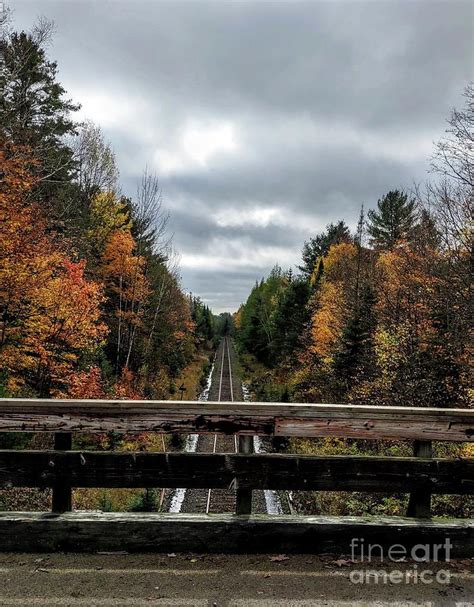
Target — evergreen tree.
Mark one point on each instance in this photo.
(354, 359)
(393, 221)
(290, 318)
(224, 324)
(145, 502)
(203, 319)
(257, 318)
(318, 247)
(33, 107)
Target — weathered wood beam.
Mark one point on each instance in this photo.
(62, 494)
(279, 419)
(419, 503)
(243, 497)
(253, 471)
(91, 532)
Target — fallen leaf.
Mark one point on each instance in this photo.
(279, 558)
(460, 564)
(343, 562)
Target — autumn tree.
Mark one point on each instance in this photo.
(90, 296)
(22, 233)
(330, 311)
(50, 311)
(449, 200)
(454, 153)
(318, 246)
(107, 215)
(86, 384)
(123, 273)
(150, 219)
(96, 167)
(63, 326)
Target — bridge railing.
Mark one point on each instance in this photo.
(63, 468)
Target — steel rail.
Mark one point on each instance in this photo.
(221, 375)
(230, 370)
(225, 348)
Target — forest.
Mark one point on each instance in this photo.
(90, 296)
(381, 315)
(91, 304)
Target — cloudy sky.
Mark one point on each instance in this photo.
(264, 120)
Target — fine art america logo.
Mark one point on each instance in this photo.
(375, 554)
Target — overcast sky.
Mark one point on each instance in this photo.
(264, 120)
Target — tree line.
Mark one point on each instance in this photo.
(90, 295)
(381, 315)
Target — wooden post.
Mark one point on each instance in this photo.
(419, 504)
(62, 494)
(243, 498)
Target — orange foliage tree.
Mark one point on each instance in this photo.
(333, 300)
(124, 276)
(50, 313)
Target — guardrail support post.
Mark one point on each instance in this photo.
(62, 494)
(243, 498)
(419, 504)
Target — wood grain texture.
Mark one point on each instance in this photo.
(419, 504)
(62, 494)
(252, 471)
(243, 497)
(91, 532)
(279, 419)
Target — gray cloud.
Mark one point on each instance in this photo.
(265, 121)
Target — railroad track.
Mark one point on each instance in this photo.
(223, 390)
(224, 387)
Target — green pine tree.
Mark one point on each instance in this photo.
(33, 107)
(145, 502)
(354, 359)
(290, 318)
(393, 221)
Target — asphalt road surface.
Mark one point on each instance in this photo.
(123, 580)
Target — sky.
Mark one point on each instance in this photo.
(264, 121)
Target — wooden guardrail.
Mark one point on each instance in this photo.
(63, 468)
(278, 419)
